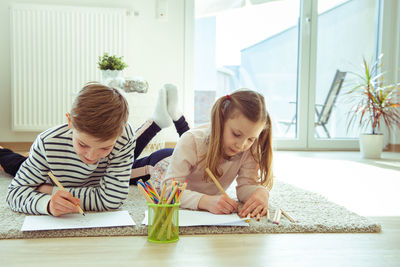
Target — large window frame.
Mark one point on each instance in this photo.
(387, 16)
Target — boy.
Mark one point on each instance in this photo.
(91, 156)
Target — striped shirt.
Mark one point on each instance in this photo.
(101, 186)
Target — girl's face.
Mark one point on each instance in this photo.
(239, 134)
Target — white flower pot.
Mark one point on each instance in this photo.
(110, 74)
(113, 78)
(371, 145)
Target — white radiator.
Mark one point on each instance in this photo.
(54, 52)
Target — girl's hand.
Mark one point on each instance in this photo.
(219, 204)
(257, 203)
(63, 202)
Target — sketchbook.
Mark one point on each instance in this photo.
(74, 221)
(204, 218)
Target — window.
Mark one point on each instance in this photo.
(255, 47)
(346, 34)
(298, 54)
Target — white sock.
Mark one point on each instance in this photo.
(172, 102)
(160, 115)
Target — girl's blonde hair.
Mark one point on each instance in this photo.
(252, 105)
(99, 111)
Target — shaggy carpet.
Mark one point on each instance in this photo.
(313, 213)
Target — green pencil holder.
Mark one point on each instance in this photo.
(163, 223)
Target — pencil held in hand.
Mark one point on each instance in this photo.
(216, 182)
(62, 188)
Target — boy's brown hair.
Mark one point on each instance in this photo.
(252, 105)
(99, 111)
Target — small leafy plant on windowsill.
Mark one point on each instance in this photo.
(107, 62)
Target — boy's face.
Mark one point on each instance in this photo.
(90, 149)
(240, 134)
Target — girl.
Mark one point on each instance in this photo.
(237, 144)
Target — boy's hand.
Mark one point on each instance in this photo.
(63, 202)
(46, 189)
(219, 204)
(257, 203)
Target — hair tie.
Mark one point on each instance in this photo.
(227, 97)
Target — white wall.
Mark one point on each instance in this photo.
(155, 51)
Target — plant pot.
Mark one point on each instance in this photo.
(113, 78)
(110, 74)
(371, 145)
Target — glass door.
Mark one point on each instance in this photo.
(346, 33)
(298, 53)
(249, 45)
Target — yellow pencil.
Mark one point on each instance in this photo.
(168, 220)
(62, 188)
(163, 191)
(216, 182)
(287, 216)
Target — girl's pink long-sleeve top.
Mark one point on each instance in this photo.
(188, 163)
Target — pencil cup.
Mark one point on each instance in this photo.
(163, 224)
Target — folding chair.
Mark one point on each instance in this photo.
(325, 109)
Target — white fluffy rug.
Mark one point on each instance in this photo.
(313, 213)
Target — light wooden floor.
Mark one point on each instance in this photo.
(366, 187)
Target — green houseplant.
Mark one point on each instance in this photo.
(375, 104)
(111, 66)
(107, 62)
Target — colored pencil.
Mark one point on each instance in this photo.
(277, 216)
(171, 196)
(287, 216)
(164, 189)
(248, 217)
(216, 182)
(62, 188)
(155, 191)
(168, 220)
(151, 192)
(144, 193)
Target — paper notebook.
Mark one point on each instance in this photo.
(201, 218)
(74, 221)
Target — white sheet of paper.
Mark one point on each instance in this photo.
(74, 221)
(198, 218)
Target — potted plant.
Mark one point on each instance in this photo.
(111, 66)
(375, 104)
